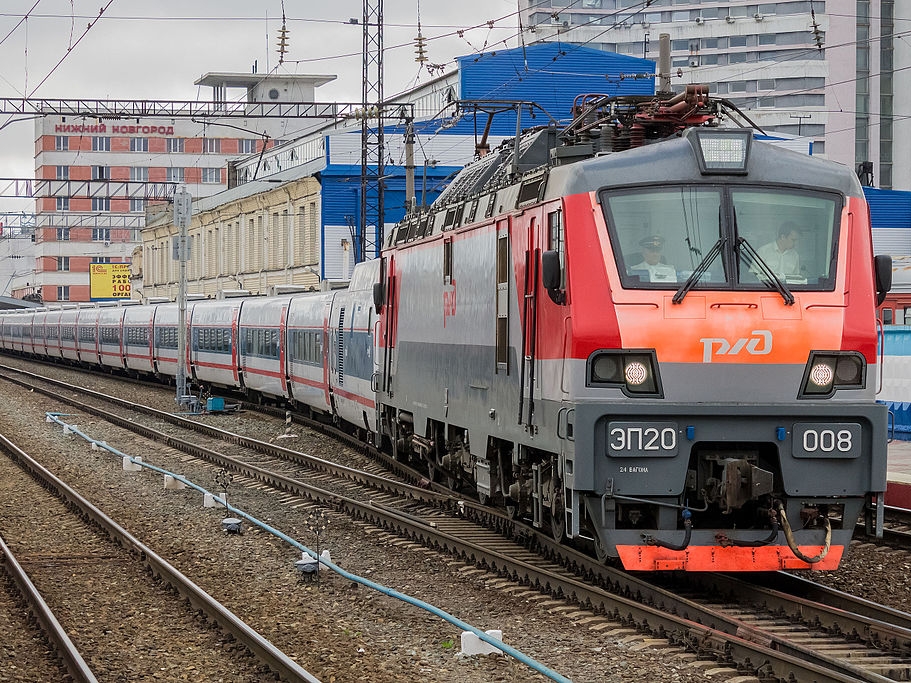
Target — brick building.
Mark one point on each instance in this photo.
(107, 173)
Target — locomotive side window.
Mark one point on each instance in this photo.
(555, 241)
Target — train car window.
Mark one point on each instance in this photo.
(660, 236)
(137, 336)
(794, 232)
(899, 316)
(887, 316)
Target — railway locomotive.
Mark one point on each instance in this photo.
(597, 328)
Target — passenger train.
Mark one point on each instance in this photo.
(589, 330)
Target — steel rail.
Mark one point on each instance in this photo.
(64, 648)
(265, 651)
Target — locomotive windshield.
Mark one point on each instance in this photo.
(768, 237)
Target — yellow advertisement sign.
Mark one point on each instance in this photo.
(109, 281)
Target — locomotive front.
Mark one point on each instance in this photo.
(723, 349)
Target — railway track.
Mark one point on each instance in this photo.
(127, 612)
(780, 642)
(33, 621)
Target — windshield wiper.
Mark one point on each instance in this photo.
(756, 259)
(700, 271)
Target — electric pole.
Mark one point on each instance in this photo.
(183, 210)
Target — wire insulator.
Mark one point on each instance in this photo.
(282, 43)
(420, 51)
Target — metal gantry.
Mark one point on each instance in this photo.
(114, 111)
(33, 188)
(372, 212)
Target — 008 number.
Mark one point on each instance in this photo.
(828, 441)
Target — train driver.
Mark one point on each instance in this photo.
(781, 255)
(653, 262)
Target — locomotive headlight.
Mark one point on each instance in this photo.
(827, 371)
(721, 150)
(636, 372)
(821, 376)
(849, 370)
(606, 368)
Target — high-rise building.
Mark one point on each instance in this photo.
(109, 169)
(833, 71)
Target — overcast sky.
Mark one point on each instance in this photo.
(156, 49)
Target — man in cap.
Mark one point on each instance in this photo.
(658, 271)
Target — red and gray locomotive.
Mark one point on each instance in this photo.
(621, 346)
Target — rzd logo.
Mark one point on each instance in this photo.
(758, 345)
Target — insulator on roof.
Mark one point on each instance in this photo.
(282, 43)
(419, 49)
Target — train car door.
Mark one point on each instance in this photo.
(528, 319)
(388, 326)
(283, 365)
(337, 349)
